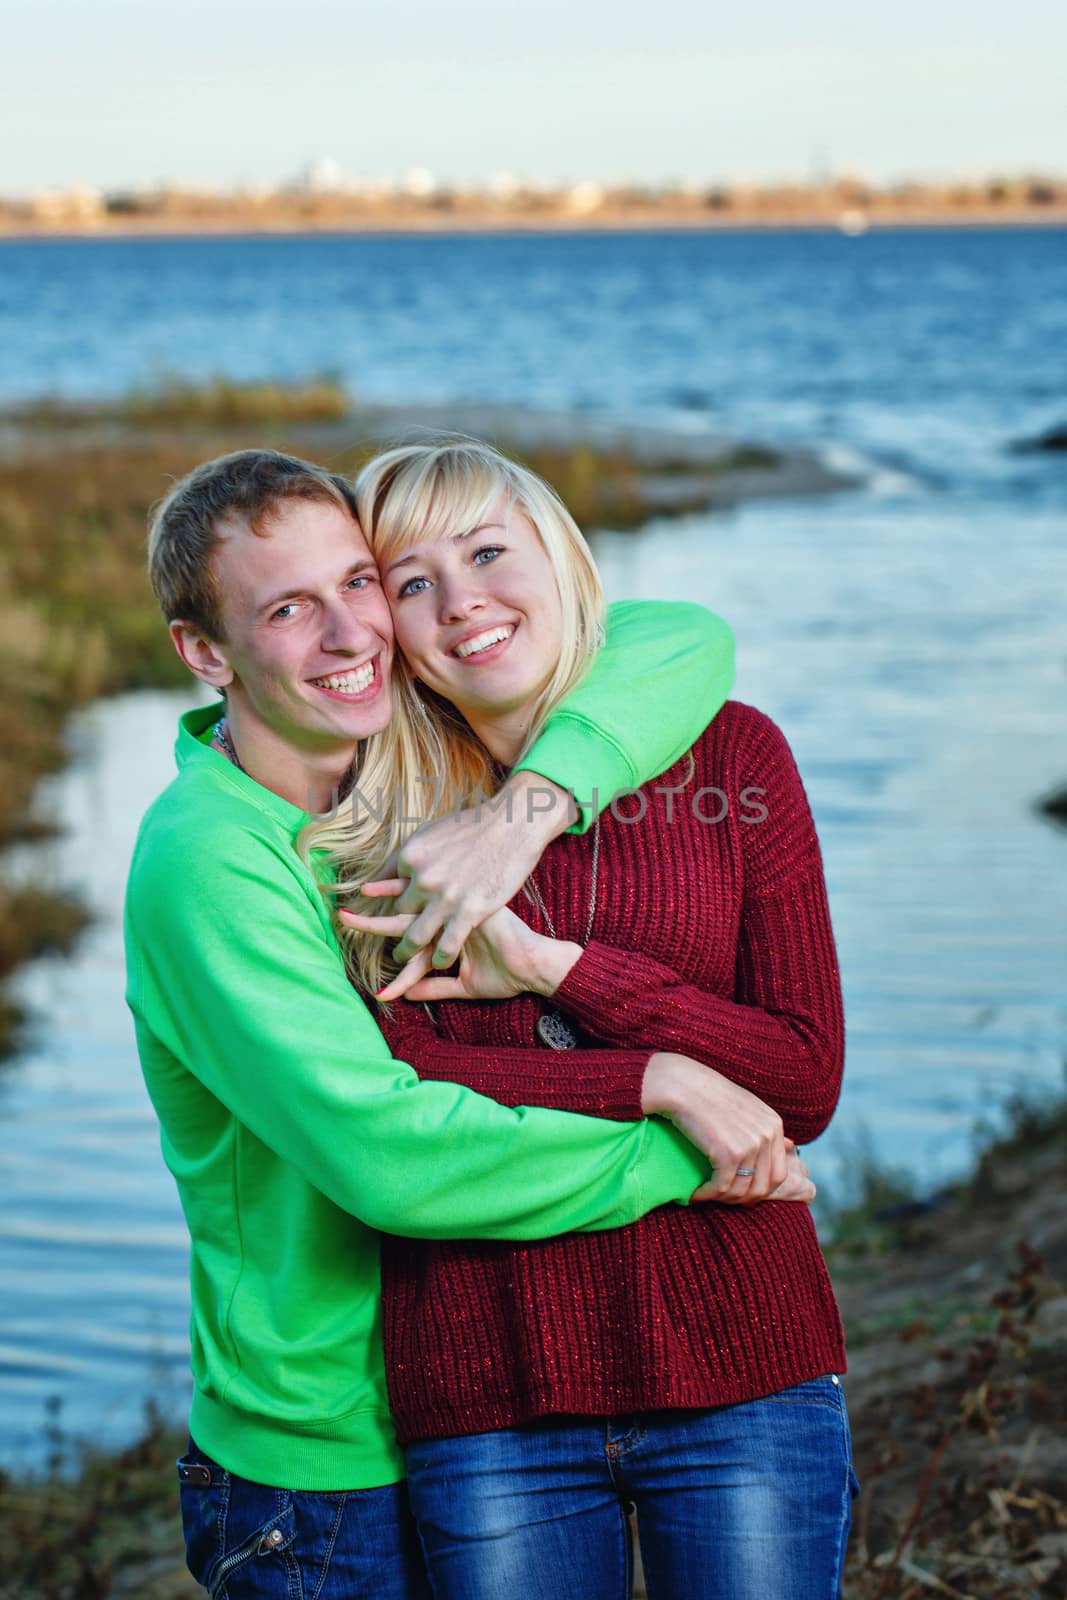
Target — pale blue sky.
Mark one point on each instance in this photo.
(125, 92)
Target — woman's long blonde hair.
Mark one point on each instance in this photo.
(428, 761)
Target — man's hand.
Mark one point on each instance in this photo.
(460, 869)
(734, 1128)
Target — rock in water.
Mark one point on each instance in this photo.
(1054, 806)
(1053, 439)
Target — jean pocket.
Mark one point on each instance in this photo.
(203, 1492)
(228, 1522)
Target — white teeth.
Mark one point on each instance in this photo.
(483, 641)
(348, 682)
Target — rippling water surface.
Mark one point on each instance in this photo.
(909, 637)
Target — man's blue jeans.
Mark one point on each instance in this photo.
(244, 1541)
(743, 1502)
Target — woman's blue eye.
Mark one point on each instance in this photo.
(489, 551)
(412, 586)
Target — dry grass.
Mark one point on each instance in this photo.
(80, 622)
(964, 1487)
(957, 1321)
(225, 404)
(112, 1532)
(173, 402)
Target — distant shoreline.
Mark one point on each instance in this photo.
(406, 225)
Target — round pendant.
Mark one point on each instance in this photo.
(554, 1031)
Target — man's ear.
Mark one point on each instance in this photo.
(204, 657)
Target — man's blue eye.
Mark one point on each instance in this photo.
(360, 581)
(283, 610)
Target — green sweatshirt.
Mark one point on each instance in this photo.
(292, 1133)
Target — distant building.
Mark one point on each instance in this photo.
(582, 199)
(322, 176)
(419, 182)
(503, 186)
(83, 206)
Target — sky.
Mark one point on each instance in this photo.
(127, 93)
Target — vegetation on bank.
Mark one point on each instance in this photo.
(77, 483)
(957, 1326)
(111, 1532)
(175, 402)
(956, 1313)
(79, 623)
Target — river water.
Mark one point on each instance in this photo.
(909, 637)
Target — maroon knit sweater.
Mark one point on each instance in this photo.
(711, 938)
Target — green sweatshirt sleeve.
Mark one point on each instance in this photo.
(235, 978)
(665, 670)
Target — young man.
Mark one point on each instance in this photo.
(292, 1134)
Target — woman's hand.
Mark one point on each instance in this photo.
(742, 1137)
(501, 958)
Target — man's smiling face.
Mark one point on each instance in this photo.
(308, 636)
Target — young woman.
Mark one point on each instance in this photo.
(688, 1365)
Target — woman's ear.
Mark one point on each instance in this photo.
(204, 657)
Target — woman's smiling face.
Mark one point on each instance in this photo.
(477, 615)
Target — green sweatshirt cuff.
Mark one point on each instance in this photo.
(672, 1167)
(569, 743)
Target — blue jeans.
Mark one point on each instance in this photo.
(743, 1502)
(244, 1541)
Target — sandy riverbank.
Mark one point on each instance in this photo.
(428, 220)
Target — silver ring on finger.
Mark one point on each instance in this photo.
(745, 1172)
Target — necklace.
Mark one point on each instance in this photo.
(220, 735)
(553, 1028)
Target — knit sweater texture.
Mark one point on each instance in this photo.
(711, 936)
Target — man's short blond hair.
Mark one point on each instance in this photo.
(247, 486)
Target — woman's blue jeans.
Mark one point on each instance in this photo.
(743, 1502)
(245, 1541)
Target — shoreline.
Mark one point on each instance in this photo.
(669, 471)
(956, 1313)
(451, 224)
(411, 221)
